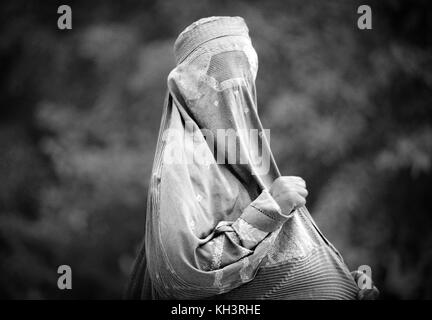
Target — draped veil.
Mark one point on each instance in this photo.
(211, 224)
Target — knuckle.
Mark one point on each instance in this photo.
(290, 194)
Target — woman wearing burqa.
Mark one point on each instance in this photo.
(221, 222)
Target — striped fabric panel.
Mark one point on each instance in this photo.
(320, 276)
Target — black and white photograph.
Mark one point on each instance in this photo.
(216, 151)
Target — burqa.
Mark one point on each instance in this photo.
(213, 230)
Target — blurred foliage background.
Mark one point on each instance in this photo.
(348, 110)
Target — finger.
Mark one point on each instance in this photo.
(299, 201)
(300, 190)
(301, 185)
(292, 192)
(297, 179)
(303, 192)
(282, 182)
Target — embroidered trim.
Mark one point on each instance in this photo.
(263, 212)
(218, 278)
(217, 252)
(192, 225)
(249, 235)
(243, 273)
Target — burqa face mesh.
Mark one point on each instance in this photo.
(229, 65)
